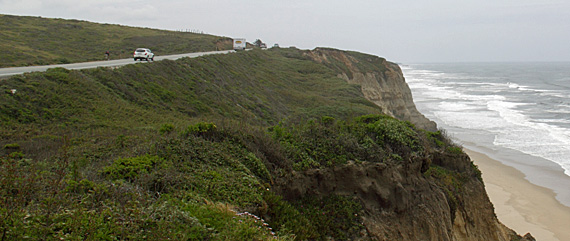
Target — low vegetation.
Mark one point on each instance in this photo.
(190, 149)
(42, 41)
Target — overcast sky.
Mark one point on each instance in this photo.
(406, 31)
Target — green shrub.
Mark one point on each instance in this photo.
(82, 186)
(447, 177)
(396, 157)
(166, 129)
(305, 162)
(57, 74)
(333, 216)
(280, 132)
(203, 129)
(399, 135)
(435, 137)
(256, 165)
(454, 150)
(327, 143)
(13, 146)
(16, 155)
(223, 223)
(131, 168)
(371, 118)
(222, 170)
(286, 219)
(327, 120)
(223, 185)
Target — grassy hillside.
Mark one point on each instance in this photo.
(42, 41)
(256, 87)
(190, 149)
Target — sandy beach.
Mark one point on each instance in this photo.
(521, 205)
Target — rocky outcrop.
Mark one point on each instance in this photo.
(381, 82)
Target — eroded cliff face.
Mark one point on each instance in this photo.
(400, 201)
(382, 83)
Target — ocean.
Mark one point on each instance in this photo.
(516, 113)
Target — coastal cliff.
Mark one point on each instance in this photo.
(435, 196)
(382, 82)
(401, 203)
(317, 145)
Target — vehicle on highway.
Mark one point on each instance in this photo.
(143, 53)
(239, 44)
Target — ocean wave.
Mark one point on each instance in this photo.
(498, 107)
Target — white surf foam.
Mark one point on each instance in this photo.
(458, 107)
(538, 139)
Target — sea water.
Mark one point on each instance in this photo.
(517, 113)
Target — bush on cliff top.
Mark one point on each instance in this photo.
(327, 142)
(201, 179)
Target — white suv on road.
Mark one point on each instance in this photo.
(142, 53)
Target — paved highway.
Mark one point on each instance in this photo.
(6, 72)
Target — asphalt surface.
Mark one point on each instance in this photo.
(7, 72)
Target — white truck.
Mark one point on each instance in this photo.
(239, 44)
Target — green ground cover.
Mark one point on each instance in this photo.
(42, 41)
(190, 149)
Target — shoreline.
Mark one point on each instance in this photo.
(520, 204)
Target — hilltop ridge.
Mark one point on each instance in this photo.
(42, 41)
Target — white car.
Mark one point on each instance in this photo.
(142, 53)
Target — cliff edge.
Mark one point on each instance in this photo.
(438, 195)
(382, 82)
